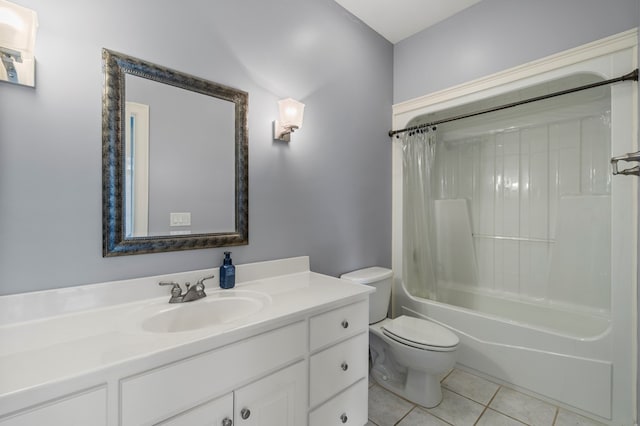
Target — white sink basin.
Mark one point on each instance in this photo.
(219, 307)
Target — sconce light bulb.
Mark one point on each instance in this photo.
(291, 112)
(10, 18)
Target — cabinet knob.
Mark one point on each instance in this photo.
(344, 418)
(344, 366)
(245, 413)
(345, 324)
(227, 422)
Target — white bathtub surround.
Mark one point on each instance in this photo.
(549, 305)
(529, 208)
(89, 349)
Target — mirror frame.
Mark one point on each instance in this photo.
(114, 243)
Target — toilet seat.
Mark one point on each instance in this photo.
(420, 334)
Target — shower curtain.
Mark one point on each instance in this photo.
(419, 237)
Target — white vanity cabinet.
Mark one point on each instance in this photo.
(338, 366)
(301, 360)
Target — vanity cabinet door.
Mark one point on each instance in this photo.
(218, 412)
(279, 399)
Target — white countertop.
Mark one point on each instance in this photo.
(57, 348)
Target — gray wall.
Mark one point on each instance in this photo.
(495, 35)
(327, 194)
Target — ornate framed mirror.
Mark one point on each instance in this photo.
(174, 160)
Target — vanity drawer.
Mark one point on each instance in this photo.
(347, 408)
(87, 408)
(166, 391)
(339, 323)
(338, 367)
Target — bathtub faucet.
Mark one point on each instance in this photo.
(192, 293)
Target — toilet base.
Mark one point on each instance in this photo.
(414, 385)
(420, 388)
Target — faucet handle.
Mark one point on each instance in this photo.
(201, 280)
(176, 290)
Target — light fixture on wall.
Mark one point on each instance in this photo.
(18, 27)
(291, 113)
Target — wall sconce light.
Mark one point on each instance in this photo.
(291, 113)
(18, 26)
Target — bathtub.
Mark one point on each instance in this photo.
(585, 360)
(549, 350)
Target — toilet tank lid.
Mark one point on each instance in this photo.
(368, 275)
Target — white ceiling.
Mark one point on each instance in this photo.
(398, 19)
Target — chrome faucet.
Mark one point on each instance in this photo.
(192, 293)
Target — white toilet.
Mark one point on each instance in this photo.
(409, 355)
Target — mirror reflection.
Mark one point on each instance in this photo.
(175, 160)
(183, 181)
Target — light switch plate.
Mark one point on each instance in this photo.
(179, 219)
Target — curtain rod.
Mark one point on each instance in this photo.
(627, 77)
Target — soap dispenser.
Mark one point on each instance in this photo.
(227, 272)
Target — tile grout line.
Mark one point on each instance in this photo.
(494, 395)
(447, 421)
(413, 406)
(406, 414)
(500, 412)
(555, 418)
(486, 407)
(448, 374)
(484, 410)
(471, 399)
(439, 418)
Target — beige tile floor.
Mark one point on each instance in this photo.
(469, 400)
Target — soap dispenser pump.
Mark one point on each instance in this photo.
(227, 272)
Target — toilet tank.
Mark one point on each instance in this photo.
(377, 277)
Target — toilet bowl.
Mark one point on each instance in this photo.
(408, 355)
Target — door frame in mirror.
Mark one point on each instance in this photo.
(114, 241)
